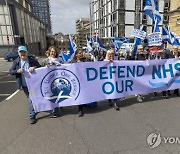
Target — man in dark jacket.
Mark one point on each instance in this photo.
(20, 65)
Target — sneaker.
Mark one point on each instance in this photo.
(176, 92)
(155, 93)
(169, 93)
(55, 115)
(116, 107)
(80, 114)
(139, 98)
(110, 102)
(33, 120)
(166, 96)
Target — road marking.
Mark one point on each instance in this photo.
(12, 95)
(4, 71)
(4, 76)
(5, 94)
(7, 82)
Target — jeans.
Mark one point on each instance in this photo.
(31, 109)
(55, 110)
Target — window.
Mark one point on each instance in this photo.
(144, 17)
(6, 9)
(1, 9)
(1, 40)
(166, 18)
(4, 30)
(8, 22)
(166, 5)
(2, 20)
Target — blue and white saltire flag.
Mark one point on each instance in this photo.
(169, 36)
(152, 10)
(100, 44)
(67, 57)
(89, 44)
(117, 42)
(125, 40)
(156, 27)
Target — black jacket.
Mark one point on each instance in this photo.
(17, 65)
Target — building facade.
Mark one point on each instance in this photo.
(174, 16)
(62, 41)
(19, 26)
(120, 17)
(41, 9)
(82, 29)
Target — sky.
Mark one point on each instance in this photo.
(64, 14)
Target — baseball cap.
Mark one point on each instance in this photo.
(22, 48)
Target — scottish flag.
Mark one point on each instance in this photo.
(156, 27)
(89, 44)
(117, 43)
(125, 40)
(169, 36)
(152, 10)
(100, 44)
(67, 57)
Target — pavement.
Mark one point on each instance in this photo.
(102, 130)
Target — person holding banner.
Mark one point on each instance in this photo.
(20, 65)
(52, 59)
(140, 56)
(110, 57)
(79, 58)
(176, 54)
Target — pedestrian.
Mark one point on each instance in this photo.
(79, 58)
(20, 65)
(110, 57)
(52, 59)
(101, 55)
(176, 54)
(140, 56)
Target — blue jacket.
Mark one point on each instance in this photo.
(17, 65)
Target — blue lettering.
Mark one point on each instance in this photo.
(111, 89)
(121, 71)
(177, 67)
(165, 71)
(129, 84)
(93, 71)
(140, 70)
(102, 72)
(122, 87)
(130, 71)
(156, 71)
(112, 70)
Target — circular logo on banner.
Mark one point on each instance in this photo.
(59, 85)
(154, 140)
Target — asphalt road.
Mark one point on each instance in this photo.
(7, 82)
(102, 130)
